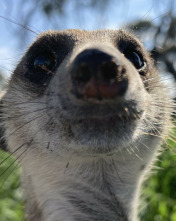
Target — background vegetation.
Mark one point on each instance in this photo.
(11, 205)
(159, 36)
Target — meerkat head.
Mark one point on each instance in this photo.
(84, 91)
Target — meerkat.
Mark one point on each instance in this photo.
(85, 113)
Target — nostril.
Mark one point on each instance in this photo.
(82, 73)
(123, 70)
(108, 71)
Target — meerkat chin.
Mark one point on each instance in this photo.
(86, 112)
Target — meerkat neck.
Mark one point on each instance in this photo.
(93, 188)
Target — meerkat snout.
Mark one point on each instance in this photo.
(97, 74)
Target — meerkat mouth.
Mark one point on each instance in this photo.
(110, 122)
(128, 115)
(100, 110)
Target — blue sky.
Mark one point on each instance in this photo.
(114, 17)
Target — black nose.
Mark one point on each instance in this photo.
(97, 74)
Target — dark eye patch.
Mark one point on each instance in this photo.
(45, 56)
(134, 53)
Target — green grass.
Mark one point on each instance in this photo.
(11, 205)
(160, 190)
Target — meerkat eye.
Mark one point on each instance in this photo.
(44, 62)
(136, 59)
(42, 68)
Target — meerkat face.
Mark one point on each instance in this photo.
(86, 91)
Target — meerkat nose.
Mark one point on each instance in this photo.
(98, 75)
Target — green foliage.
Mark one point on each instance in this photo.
(160, 190)
(11, 206)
